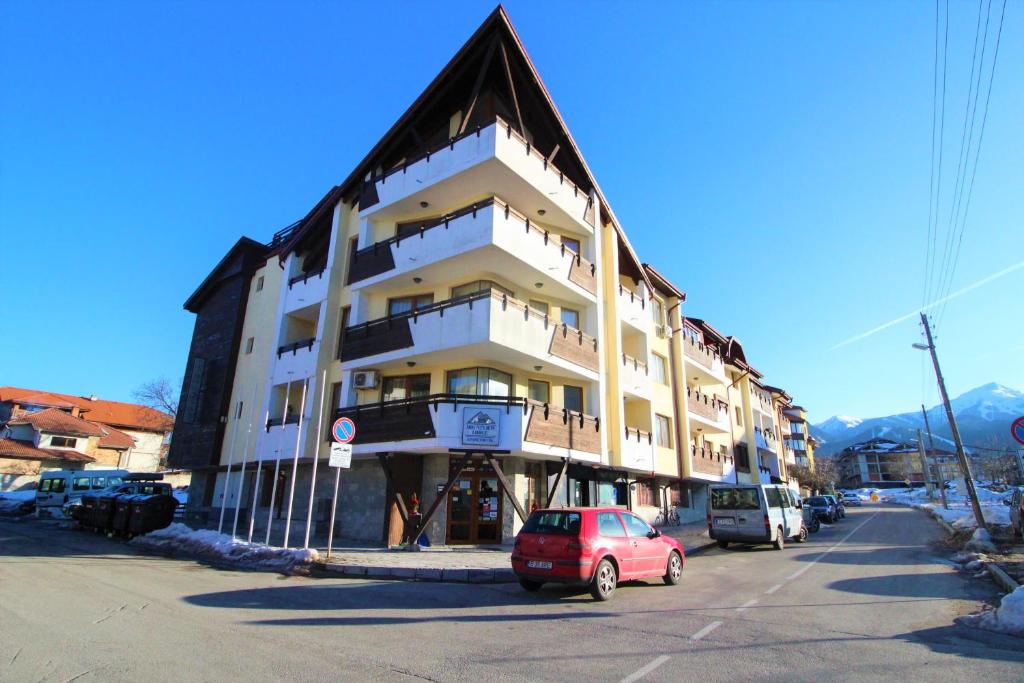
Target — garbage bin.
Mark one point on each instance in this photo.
(102, 518)
(84, 513)
(151, 512)
(122, 513)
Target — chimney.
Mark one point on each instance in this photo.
(93, 397)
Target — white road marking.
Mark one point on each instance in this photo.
(706, 630)
(643, 671)
(773, 589)
(797, 574)
(748, 603)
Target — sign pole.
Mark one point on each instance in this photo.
(316, 458)
(245, 461)
(256, 488)
(334, 508)
(295, 465)
(277, 462)
(343, 431)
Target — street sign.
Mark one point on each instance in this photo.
(344, 430)
(341, 455)
(1017, 430)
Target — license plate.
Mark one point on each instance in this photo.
(725, 521)
(538, 564)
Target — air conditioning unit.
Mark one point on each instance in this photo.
(367, 379)
(662, 331)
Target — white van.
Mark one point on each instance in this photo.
(60, 486)
(751, 513)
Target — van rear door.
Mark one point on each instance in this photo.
(51, 491)
(738, 510)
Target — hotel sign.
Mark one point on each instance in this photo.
(480, 426)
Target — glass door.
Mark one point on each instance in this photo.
(474, 510)
(488, 519)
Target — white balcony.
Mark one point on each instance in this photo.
(634, 309)
(708, 412)
(494, 237)
(703, 362)
(295, 361)
(448, 421)
(487, 324)
(277, 441)
(638, 450)
(502, 163)
(635, 379)
(305, 290)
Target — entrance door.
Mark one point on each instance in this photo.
(475, 508)
(407, 471)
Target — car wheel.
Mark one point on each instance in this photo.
(532, 586)
(723, 544)
(780, 539)
(802, 536)
(605, 580)
(674, 570)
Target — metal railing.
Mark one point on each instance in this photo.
(306, 276)
(284, 234)
(295, 346)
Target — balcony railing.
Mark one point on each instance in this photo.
(294, 347)
(303, 277)
(708, 461)
(284, 234)
(277, 421)
(636, 364)
(707, 406)
(639, 435)
(634, 298)
(703, 354)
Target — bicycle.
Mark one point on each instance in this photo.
(669, 518)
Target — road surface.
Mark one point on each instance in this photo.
(865, 599)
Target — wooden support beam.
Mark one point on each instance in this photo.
(441, 497)
(558, 482)
(475, 92)
(512, 88)
(505, 485)
(385, 465)
(553, 153)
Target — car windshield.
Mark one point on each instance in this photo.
(735, 499)
(817, 500)
(567, 523)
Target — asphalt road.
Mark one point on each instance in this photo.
(866, 599)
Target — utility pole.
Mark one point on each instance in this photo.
(938, 469)
(965, 466)
(925, 472)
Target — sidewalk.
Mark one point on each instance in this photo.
(460, 565)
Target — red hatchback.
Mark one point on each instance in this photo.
(595, 546)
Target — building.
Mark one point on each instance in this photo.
(42, 430)
(799, 440)
(469, 299)
(882, 463)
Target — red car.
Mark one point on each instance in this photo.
(595, 546)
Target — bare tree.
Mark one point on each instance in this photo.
(160, 394)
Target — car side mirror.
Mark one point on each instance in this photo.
(653, 533)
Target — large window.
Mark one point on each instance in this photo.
(659, 312)
(571, 318)
(539, 306)
(539, 391)
(659, 368)
(662, 431)
(571, 244)
(407, 386)
(479, 382)
(62, 442)
(479, 286)
(573, 398)
(405, 304)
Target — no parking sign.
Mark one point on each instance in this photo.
(1017, 430)
(343, 430)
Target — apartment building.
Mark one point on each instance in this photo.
(469, 299)
(883, 463)
(799, 439)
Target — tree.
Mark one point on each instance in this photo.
(160, 394)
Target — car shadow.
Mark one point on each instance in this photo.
(915, 585)
(894, 555)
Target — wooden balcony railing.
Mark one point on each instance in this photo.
(707, 406)
(295, 346)
(626, 292)
(707, 461)
(701, 353)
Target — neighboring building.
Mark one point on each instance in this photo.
(882, 463)
(800, 440)
(54, 431)
(467, 290)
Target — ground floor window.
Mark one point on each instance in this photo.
(535, 486)
(645, 494)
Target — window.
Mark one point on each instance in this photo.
(680, 495)
(345, 312)
(659, 367)
(407, 386)
(480, 382)
(44, 485)
(99, 483)
(609, 525)
(573, 398)
(539, 391)
(248, 344)
(645, 494)
(659, 311)
(405, 304)
(723, 449)
(739, 417)
(539, 306)
(80, 484)
(56, 486)
(662, 431)
(259, 284)
(194, 392)
(735, 499)
(774, 497)
(635, 525)
(571, 244)
(479, 286)
(62, 442)
(564, 523)
(571, 318)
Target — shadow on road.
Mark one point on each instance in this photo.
(898, 555)
(946, 586)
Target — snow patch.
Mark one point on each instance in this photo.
(1007, 618)
(208, 543)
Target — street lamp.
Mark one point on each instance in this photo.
(921, 347)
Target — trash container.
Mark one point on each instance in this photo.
(151, 512)
(122, 513)
(102, 518)
(83, 514)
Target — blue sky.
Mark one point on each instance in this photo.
(772, 159)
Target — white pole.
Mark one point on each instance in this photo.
(295, 466)
(227, 475)
(316, 458)
(334, 507)
(245, 461)
(277, 463)
(256, 490)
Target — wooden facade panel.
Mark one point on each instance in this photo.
(693, 352)
(371, 263)
(567, 343)
(555, 431)
(580, 274)
(707, 410)
(707, 462)
(380, 338)
(390, 423)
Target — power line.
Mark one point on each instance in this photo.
(933, 231)
(931, 180)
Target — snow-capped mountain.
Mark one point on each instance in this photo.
(983, 414)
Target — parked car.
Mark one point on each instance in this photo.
(822, 508)
(838, 505)
(852, 501)
(811, 520)
(62, 486)
(1016, 503)
(754, 514)
(599, 547)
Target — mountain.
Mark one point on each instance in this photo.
(983, 414)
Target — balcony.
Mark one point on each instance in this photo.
(500, 239)
(703, 362)
(638, 450)
(305, 290)
(704, 461)
(455, 421)
(711, 412)
(295, 361)
(635, 378)
(501, 161)
(487, 324)
(633, 309)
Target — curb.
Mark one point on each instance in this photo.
(1004, 580)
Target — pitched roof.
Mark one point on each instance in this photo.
(24, 450)
(122, 415)
(662, 283)
(114, 438)
(56, 421)
(250, 250)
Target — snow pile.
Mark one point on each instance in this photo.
(222, 547)
(1007, 618)
(13, 500)
(981, 542)
(960, 514)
